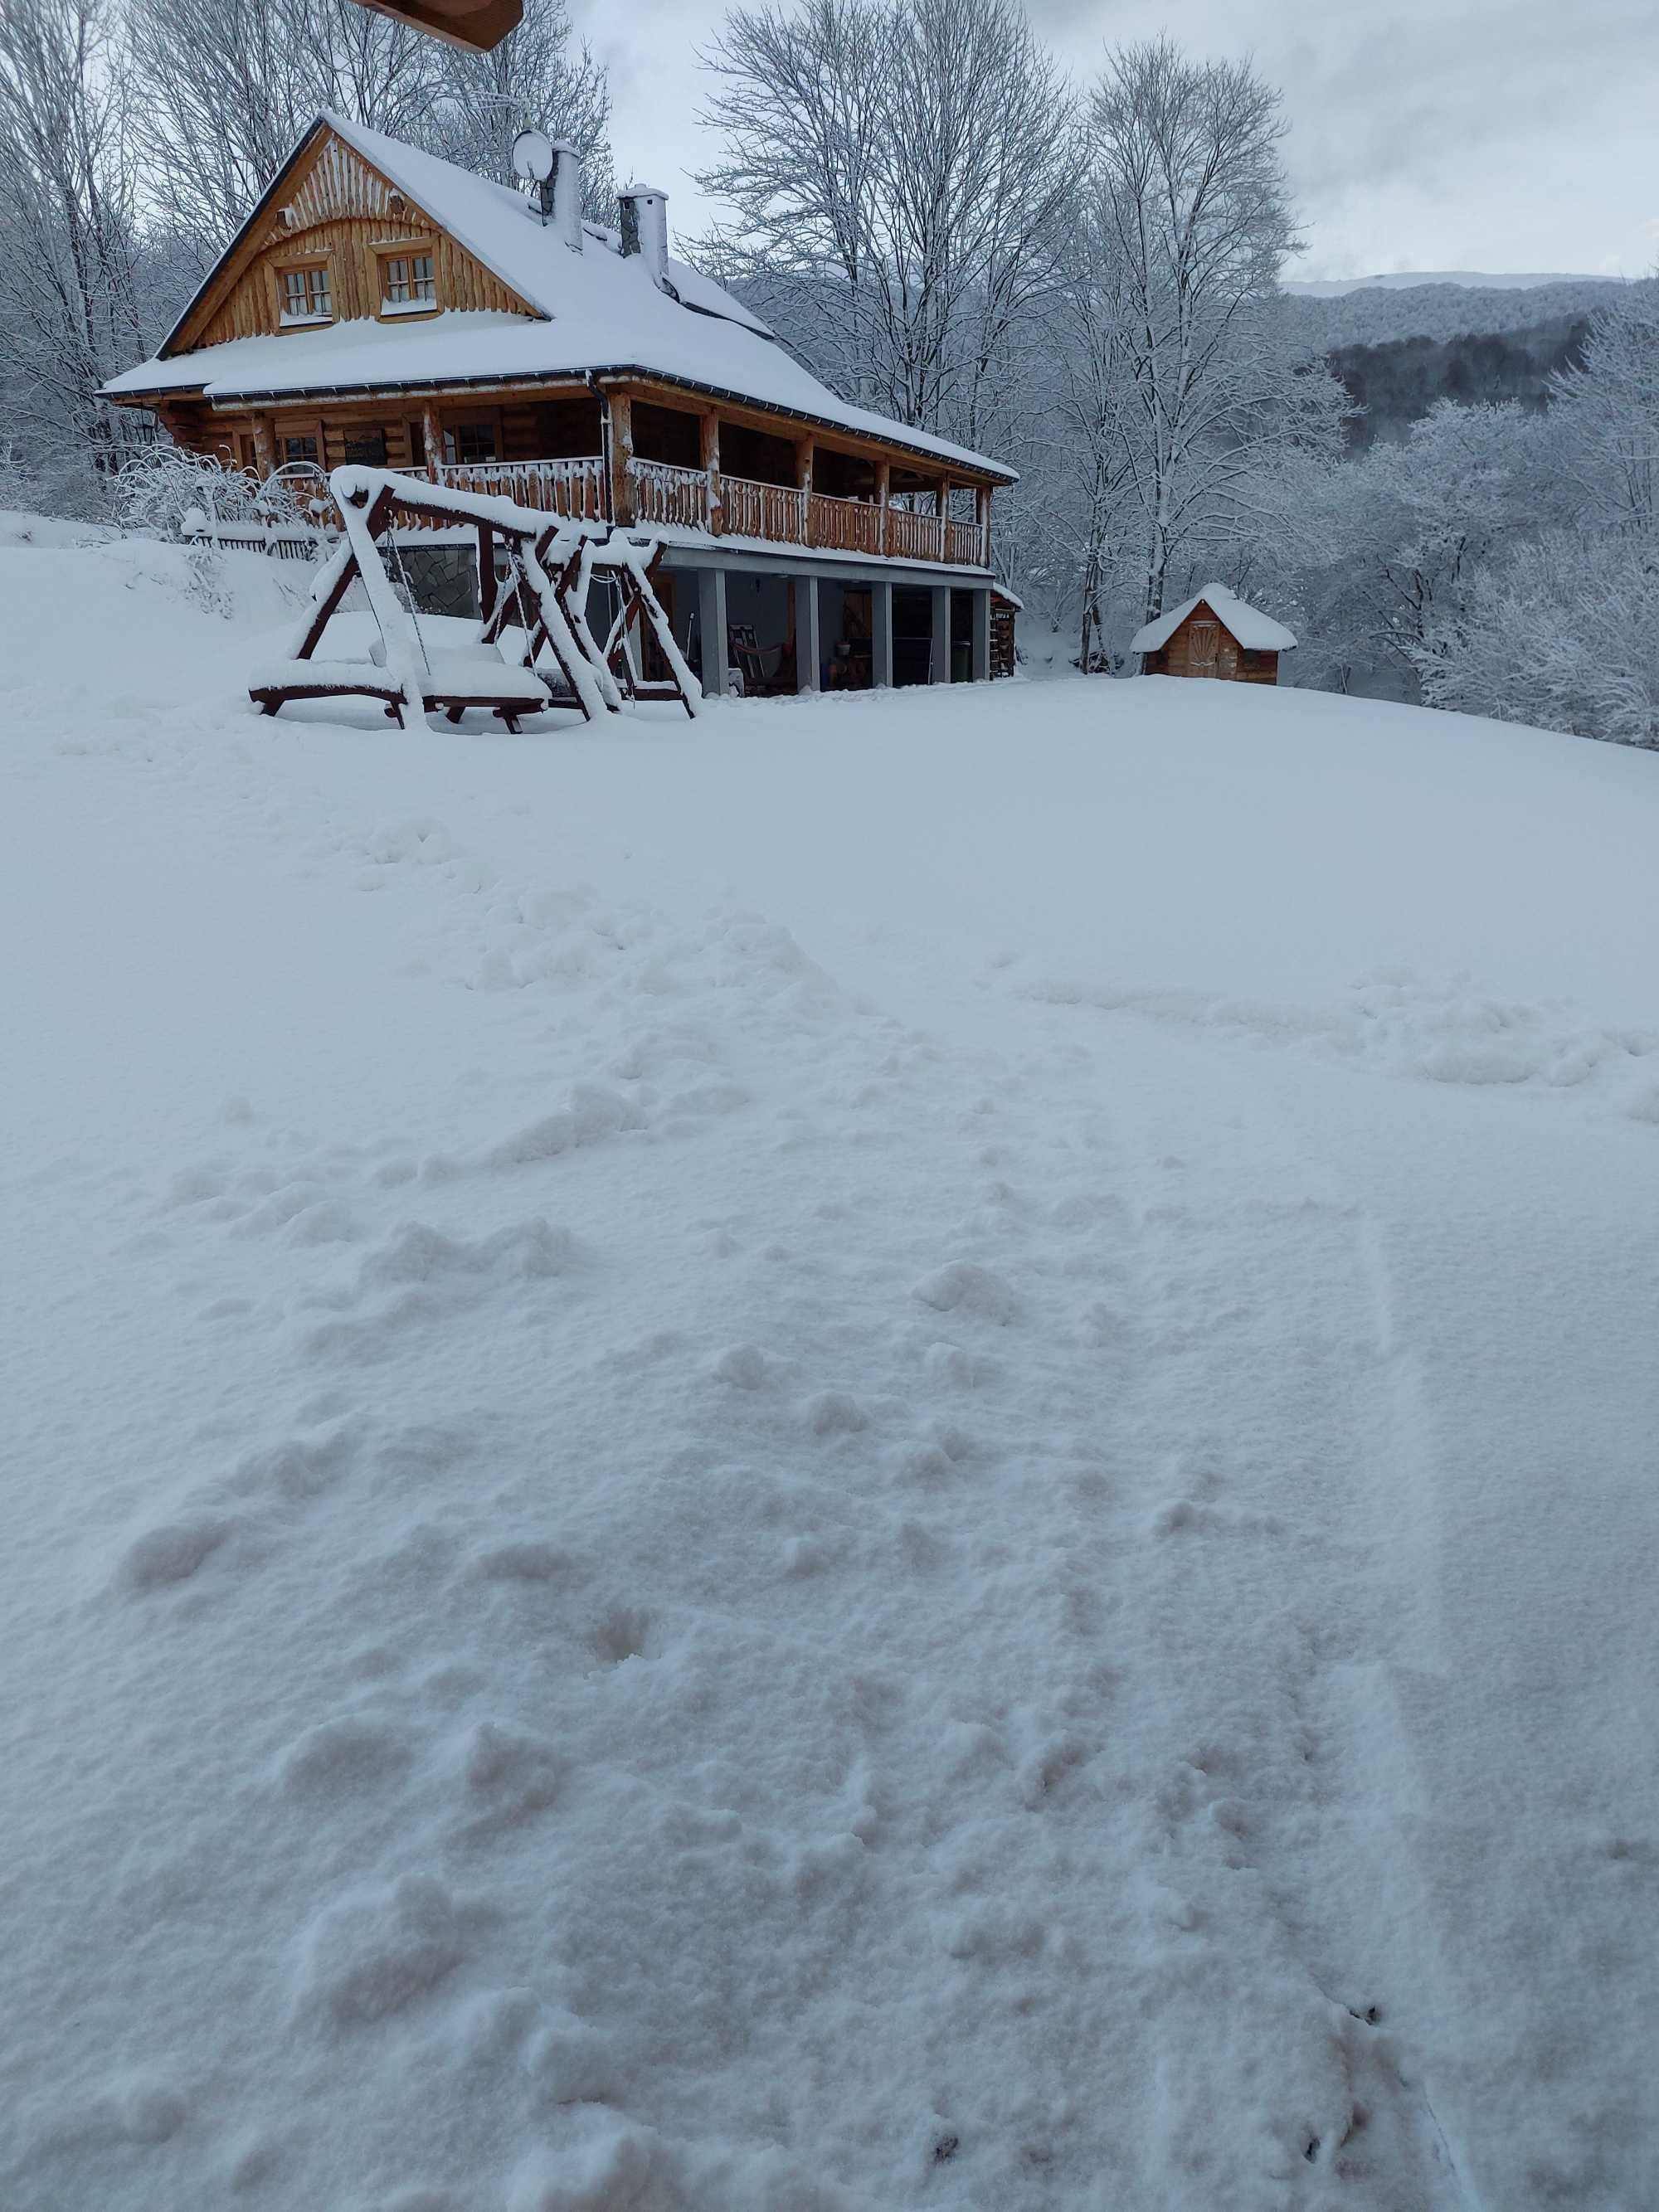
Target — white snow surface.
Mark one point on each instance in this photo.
(1255, 631)
(601, 311)
(898, 1453)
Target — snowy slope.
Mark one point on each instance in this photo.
(898, 1454)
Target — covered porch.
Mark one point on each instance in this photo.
(637, 455)
(753, 625)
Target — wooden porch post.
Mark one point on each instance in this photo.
(881, 635)
(884, 493)
(432, 437)
(808, 649)
(940, 672)
(983, 520)
(622, 460)
(709, 445)
(803, 485)
(265, 445)
(711, 623)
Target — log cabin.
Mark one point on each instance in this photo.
(1215, 635)
(381, 306)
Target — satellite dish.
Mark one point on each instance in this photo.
(533, 156)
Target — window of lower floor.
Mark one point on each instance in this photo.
(300, 449)
(470, 441)
(365, 449)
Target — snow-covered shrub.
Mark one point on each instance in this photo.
(1564, 635)
(166, 491)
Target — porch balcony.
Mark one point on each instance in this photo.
(667, 495)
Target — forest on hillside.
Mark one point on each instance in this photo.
(1395, 382)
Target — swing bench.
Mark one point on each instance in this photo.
(551, 568)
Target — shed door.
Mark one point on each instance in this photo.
(1203, 647)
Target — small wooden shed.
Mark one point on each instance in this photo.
(1215, 635)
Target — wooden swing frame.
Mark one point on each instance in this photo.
(553, 565)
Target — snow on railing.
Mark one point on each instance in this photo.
(664, 493)
(574, 487)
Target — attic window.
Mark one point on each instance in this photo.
(407, 284)
(308, 296)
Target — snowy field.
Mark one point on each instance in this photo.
(894, 1453)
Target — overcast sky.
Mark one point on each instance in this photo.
(1428, 133)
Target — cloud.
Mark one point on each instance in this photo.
(1496, 133)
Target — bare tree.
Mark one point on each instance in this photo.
(226, 87)
(536, 76)
(1190, 189)
(70, 307)
(899, 175)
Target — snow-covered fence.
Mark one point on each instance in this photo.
(166, 491)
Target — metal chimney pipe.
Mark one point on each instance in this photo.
(567, 193)
(644, 213)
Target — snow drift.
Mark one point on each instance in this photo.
(897, 1454)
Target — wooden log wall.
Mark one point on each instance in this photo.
(1232, 663)
(343, 212)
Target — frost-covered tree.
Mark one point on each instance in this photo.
(227, 87)
(1193, 217)
(1444, 506)
(538, 75)
(901, 172)
(1605, 414)
(1564, 633)
(72, 298)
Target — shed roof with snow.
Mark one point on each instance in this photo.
(1252, 629)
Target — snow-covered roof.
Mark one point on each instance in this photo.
(1255, 631)
(602, 312)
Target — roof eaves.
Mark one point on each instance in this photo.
(981, 462)
(240, 395)
(163, 352)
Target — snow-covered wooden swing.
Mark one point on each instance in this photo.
(538, 612)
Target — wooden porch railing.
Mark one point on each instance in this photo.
(914, 535)
(775, 512)
(844, 525)
(663, 492)
(967, 545)
(573, 487)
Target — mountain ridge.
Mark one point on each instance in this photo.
(1471, 280)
